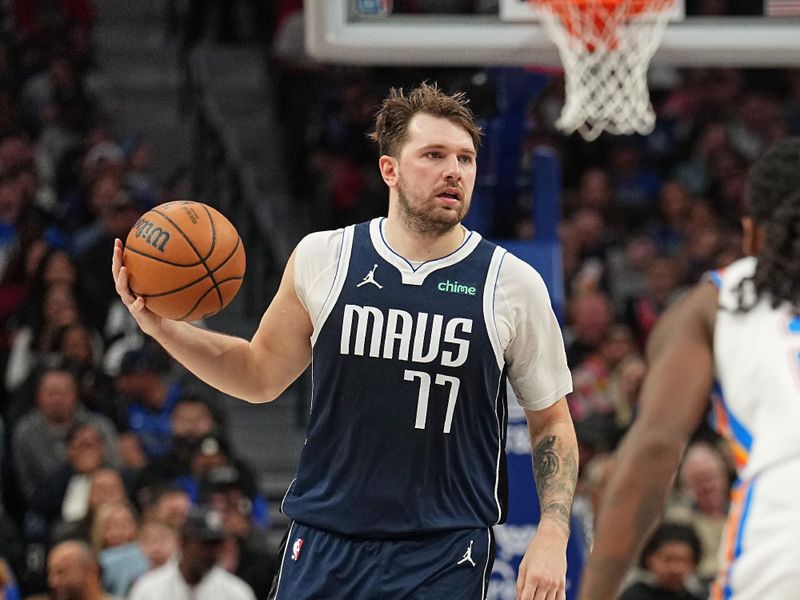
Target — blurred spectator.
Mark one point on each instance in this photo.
(138, 177)
(73, 572)
(704, 492)
(39, 437)
(642, 311)
(191, 420)
(159, 542)
(245, 552)
(168, 504)
(144, 384)
(668, 564)
(115, 534)
(627, 269)
(589, 316)
(105, 486)
(674, 206)
(214, 465)
(114, 220)
(196, 573)
(591, 379)
(635, 183)
(583, 238)
(81, 350)
(64, 493)
(51, 304)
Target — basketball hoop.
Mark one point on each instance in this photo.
(605, 48)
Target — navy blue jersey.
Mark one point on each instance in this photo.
(408, 415)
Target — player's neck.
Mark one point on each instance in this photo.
(416, 246)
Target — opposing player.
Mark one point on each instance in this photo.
(413, 324)
(736, 335)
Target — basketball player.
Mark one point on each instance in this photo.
(735, 337)
(411, 324)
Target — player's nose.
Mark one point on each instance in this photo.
(452, 168)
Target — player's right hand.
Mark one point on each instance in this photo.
(148, 321)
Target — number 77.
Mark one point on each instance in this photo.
(424, 394)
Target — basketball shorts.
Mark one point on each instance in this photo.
(320, 565)
(760, 548)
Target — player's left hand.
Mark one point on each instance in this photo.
(543, 570)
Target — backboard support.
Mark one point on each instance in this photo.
(334, 33)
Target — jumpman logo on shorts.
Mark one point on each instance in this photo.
(467, 556)
(370, 278)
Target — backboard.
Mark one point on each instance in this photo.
(506, 34)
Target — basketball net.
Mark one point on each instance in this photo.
(605, 48)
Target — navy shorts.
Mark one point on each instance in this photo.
(320, 565)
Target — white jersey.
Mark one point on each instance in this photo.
(756, 407)
(757, 360)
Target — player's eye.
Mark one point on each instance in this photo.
(434, 154)
(466, 159)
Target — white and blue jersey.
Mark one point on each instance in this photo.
(756, 407)
(407, 424)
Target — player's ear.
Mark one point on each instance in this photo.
(753, 236)
(389, 170)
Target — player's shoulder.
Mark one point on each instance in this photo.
(733, 274)
(515, 271)
(319, 242)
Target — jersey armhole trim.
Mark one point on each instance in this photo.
(339, 278)
(489, 304)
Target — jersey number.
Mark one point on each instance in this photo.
(424, 394)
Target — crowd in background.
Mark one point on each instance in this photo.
(104, 439)
(106, 446)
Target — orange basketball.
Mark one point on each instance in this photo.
(185, 259)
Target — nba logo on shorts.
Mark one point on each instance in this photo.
(377, 8)
(298, 543)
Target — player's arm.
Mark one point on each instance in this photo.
(555, 471)
(256, 371)
(672, 403)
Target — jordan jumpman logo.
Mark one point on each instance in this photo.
(467, 556)
(370, 278)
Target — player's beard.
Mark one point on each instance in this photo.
(423, 215)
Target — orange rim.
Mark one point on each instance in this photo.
(600, 18)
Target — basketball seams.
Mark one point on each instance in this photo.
(182, 266)
(209, 273)
(196, 304)
(193, 247)
(162, 260)
(181, 231)
(203, 297)
(213, 230)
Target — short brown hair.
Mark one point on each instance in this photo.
(397, 110)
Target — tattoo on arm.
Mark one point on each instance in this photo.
(545, 459)
(555, 478)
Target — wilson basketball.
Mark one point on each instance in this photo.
(185, 259)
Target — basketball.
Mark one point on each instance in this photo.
(185, 259)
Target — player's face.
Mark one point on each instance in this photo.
(436, 174)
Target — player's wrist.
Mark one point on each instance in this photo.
(554, 531)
